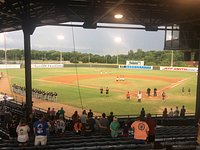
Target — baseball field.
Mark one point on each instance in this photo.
(80, 88)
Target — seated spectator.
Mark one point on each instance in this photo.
(141, 130)
(114, 127)
(183, 110)
(12, 126)
(78, 127)
(40, 129)
(22, 133)
(60, 126)
(52, 128)
(97, 124)
(171, 113)
(104, 124)
(125, 129)
(91, 123)
(176, 112)
(165, 115)
(152, 127)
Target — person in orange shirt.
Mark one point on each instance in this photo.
(78, 126)
(128, 95)
(141, 130)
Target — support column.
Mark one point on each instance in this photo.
(197, 112)
(28, 30)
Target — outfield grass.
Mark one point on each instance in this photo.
(116, 101)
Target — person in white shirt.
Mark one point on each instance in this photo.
(176, 112)
(139, 96)
(22, 132)
(60, 125)
(171, 113)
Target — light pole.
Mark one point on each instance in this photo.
(5, 49)
(117, 40)
(60, 37)
(172, 58)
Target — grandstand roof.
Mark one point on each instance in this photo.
(149, 13)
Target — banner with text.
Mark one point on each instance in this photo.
(9, 66)
(47, 65)
(137, 67)
(179, 69)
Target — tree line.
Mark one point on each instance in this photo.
(153, 58)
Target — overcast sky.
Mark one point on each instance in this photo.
(97, 41)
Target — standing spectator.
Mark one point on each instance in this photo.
(128, 95)
(163, 96)
(22, 133)
(141, 130)
(189, 91)
(83, 119)
(176, 112)
(183, 91)
(139, 96)
(155, 92)
(62, 112)
(97, 124)
(107, 91)
(110, 117)
(40, 129)
(104, 124)
(91, 124)
(52, 113)
(142, 113)
(90, 114)
(31, 121)
(12, 126)
(171, 113)
(148, 91)
(198, 133)
(183, 110)
(165, 115)
(152, 127)
(75, 117)
(114, 127)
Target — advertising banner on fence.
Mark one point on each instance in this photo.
(186, 69)
(47, 65)
(9, 66)
(137, 67)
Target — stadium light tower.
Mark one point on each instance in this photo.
(5, 49)
(117, 40)
(60, 37)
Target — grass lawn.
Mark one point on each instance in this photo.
(116, 101)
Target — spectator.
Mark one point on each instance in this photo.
(183, 110)
(104, 124)
(125, 129)
(75, 117)
(60, 126)
(142, 113)
(48, 111)
(91, 124)
(141, 130)
(152, 126)
(90, 114)
(31, 121)
(61, 112)
(97, 124)
(22, 133)
(12, 126)
(114, 127)
(83, 119)
(40, 129)
(165, 115)
(198, 133)
(78, 127)
(176, 112)
(171, 113)
(53, 113)
(110, 117)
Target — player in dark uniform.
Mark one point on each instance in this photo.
(155, 92)
(101, 90)
(148, 91)
(107, 90)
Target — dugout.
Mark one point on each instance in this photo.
(174, 16)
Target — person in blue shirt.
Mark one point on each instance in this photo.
(40, 129)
